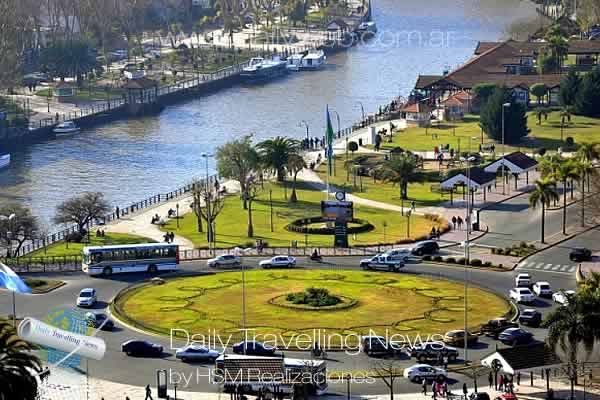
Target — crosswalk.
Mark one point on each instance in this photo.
(542, 266)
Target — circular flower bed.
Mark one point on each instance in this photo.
(344, 303)
(303, 226)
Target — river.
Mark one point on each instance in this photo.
(131, 160)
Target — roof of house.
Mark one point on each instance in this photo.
(482, 47)
(457, 99)
(521, 160)
(339, 22)
(140, 83)
(245, 369)
(529, 357)
(479, 176)
(416, 108)
(426, 80)
(584, 46)
(576, 46)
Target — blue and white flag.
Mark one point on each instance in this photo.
(11, 281)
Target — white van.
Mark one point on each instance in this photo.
(523, 280)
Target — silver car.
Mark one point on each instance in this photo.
(196, 353)
(225, 260)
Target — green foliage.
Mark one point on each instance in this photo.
(547, 64)
(515, 117)
(69, 58)
(451, 260)
(313, 297)
(400, 170)
(476, 262)
(483, 91)
(274, 154)
(538, 90)
(569, 87)
(588, 98)
(352, 146)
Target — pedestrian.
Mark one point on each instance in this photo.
(465, 391)
(438, 233)
(459, 221)
(454, 222)
(445, 389)
(518, 378)
(434, 390)
(440, 359)
(501, 383)
(424, 384)
(445, 361)
(148, 393)
(117, 212)
(413, 206)
(491, 379)
(432, 233)
(312, 143)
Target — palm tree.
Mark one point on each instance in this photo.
(584, 169)
(18, 366)
(565, 116)
(401, 171)
(275, 153)
(543, 194)
(564, 172)
(294, 165)
(588, 152)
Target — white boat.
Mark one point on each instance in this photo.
(294, 62)
(4, 160)
(315, 59)
(261, 70)
(367, 27)
(65, 128)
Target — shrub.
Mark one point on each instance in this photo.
(460, 260)
(314, 297)
(476, 262)
(499, 252)
(437, 258)
(75, 237)
(541, 151)
(523, 244)
(500, 266)
(451, 260)
(507, 251)
(494, 251)
(426, 257)
(487, 264)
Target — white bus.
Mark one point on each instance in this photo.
(144, 257)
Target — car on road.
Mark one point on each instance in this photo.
(87, 297)
(523, 280)
(278, 262)
(542, 289)
(515, 336)
(253, 348)
(141, 348)
(530, 317)
(99, 320)
(562, 296)
(381, 262)
(425, 247)
(579, 254)
(431, 351)
(398, 255)
(224, 260)
(379, 345)
(495, 326)
(457, 338)
(521, 295)
(196, 353)
(419, 372)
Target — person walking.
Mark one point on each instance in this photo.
(465, 391)
(424, 385)
(454, 222)
(501, 383)
(117, 212)
(491, 379)
(459, 221)
(434, 390)
(148, 393)
(413, 206)
(519, 378)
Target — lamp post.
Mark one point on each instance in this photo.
(9, 236)
(408, 223)
(362, 109)
(503, 150)
(303, 122)
(177, 208)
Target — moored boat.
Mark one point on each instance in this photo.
(4, 160)
(315, 59)
(294, 62)
(263, 70)
(367, 28)
(66, 128)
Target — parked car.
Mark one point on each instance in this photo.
(99, 321)
(87, 297)
(530, 317)
(562, 296)
(521, 295)
(196, 353)
(579, 254)
(141, 348)
(542, 289)
(431, 351)
(457, 338)
(494, 326)
(523, 280)
(253, 348)
(379, 345)
(479, 396)
(225, 260)
(515, 336)
(425, 247)
(278, 262)
(419, 372)
(381, 262)
(506, 396)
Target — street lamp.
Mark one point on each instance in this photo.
(303, 122)
(505, 105)
(9, 236)
(362, 109)
(408, 223)
(177, 208)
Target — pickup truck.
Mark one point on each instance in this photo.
(382, 262)
(494, 327)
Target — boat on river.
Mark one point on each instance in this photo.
(4, 160)
(367, 28)
(66, 128)
(315, 59)
(261, 70)
(294, 62)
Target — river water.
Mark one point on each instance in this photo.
(131, 160)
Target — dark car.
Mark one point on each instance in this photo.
(378, 345)
(99, 321)
(530, 317)
(425, 247)
(495, 326)
(579, 254)
(479, 396)
(254, 348)
(141, 348)
(515, 336)
(432, 351)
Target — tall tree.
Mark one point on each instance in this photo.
(81, 210)
(18, 366)
(564, 173)
(238, 160)
(69, 58)
(275, 153)
(17, 225)
(569, 87)
(388, 371)
(208, 204)
(250, 195)
(539, 90)
(515, 117)
(542, 195)
(585, 170)
(295, 164)
(400, 170)
(588, 98)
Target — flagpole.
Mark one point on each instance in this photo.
(14, 309)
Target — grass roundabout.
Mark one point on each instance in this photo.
(399, 303)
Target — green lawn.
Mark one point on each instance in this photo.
(231, 224)
(420, 193)
(401, 304)
(458, 134)
(60, 249)
(85, 95)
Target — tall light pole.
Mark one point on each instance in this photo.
(466, 253)
(503, 150)
(303, 122)
(9, 235)
(362, 109)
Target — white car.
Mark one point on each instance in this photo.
(196, 353)
(562, 296)
(87, 297)
(542, 289)
(523, 280)
(398, 254)
(278, 262)
(382, 262)
(420, 372)
(225, 260)
(522, 295)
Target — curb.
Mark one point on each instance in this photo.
(46, 291)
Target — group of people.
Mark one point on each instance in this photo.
(169, 237)
(313, 143)
(505, 382)
(439, 388)
(171, 213)
(457, 222)
(155, 219)
(100, 233)
(435, 233)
